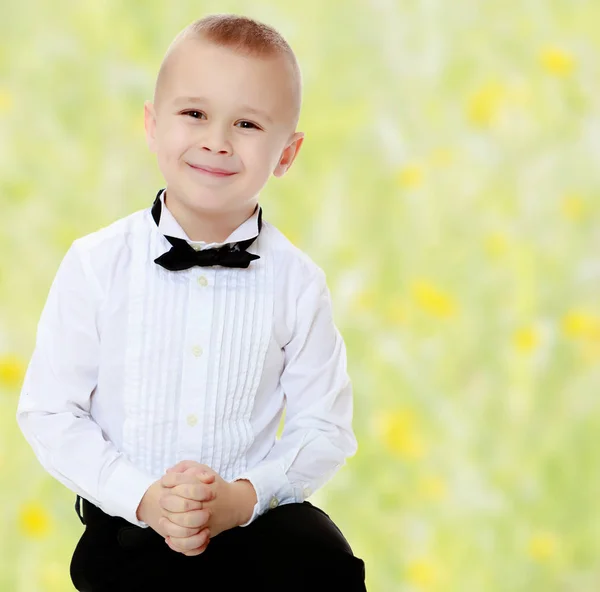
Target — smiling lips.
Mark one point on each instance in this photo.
(212, 171)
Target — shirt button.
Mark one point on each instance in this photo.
(202, 281)
(274, 503)
(307, 492)
(197, 351)
(192, 420)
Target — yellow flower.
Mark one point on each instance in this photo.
(556, 61)
(395, 312)
(572, 207)
(519, 94)
(422, 573)
(432, 300)
(54, 577)
(543, 546)
(12, 371)
(432, 487)
(579, 324)
(495, 244)
(365, 300)
(591, 351)
(410, 176)
(34, 520)
(526, 339)
(399, 432)
(6, 101)
(484, 104)
(442, 156)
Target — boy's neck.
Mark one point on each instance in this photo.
(206, 227)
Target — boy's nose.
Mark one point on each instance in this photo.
(221, 151)
(215, 140)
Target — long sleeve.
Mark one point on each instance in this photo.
(317, 435)
(54, 406)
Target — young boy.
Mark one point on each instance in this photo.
(172, 340)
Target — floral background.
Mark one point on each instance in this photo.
(449, 187)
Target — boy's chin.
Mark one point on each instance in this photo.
(207, 199)
(196, 193)
(210, 202)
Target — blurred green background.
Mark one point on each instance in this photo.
(449, 187)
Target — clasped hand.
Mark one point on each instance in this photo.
(197, 504)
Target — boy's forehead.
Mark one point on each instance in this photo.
(197, 68)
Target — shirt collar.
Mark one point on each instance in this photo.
(167, 225)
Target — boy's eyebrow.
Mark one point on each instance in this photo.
(200, 100)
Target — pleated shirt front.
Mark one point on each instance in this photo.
(136, 368)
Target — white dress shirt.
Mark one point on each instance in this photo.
(136, 368)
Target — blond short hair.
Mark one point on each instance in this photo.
(244, 35)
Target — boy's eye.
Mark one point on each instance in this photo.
(188, 112)
(249, 124)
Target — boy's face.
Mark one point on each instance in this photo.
(241, 121)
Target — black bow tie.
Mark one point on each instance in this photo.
(183, 256)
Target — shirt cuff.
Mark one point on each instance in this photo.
(272, 488)
(124, 489)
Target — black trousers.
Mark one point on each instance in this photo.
(291, 547)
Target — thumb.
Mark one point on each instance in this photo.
(192, 467)
(182, 466)
(202, 474)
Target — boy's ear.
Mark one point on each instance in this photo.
(150, 125)
(289, 154)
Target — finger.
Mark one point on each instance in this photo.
(188, 553)
(200, 475)
(172, 479)
(197, 551)
(194, 491)
(204, 472)
(176, 503)
(192, 542)
(184, 465)
(196, 519)
(171, 529)
(176, 530)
